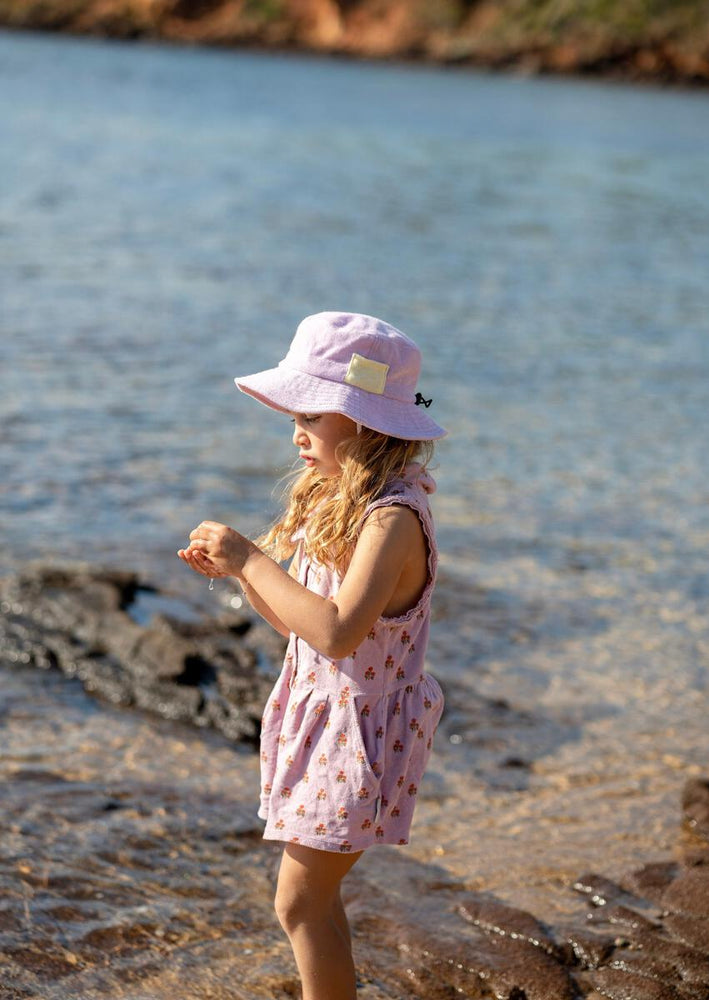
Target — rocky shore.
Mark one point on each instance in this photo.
(659, 41)
(130, 866)
(109, 629)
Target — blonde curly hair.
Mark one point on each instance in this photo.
(331, 508)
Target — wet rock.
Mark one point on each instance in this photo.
(652, 879)
(660, 914)
(600, 889)
(518, 925)
(591, 950)
(672, 960)
(688, 894)
(619, 984)
(627, 919)
(695, 806)
(692, 932)
(528, 962)
(451, 941)
(159, 881)
(79, 620)
(135, 868)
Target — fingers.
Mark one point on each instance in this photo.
(207, 529)
(215, 550)
(197, 561)
(200, 558)
(203, 554)
(206, 565)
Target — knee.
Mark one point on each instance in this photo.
(294, 908)
(291, 909)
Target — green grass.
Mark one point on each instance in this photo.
(264, 11)
(625, 19)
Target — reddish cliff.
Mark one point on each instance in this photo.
(652, 39)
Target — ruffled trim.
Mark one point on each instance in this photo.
(416, 475)
(334, 846)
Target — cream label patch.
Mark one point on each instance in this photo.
(367, 374)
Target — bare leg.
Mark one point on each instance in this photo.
(340, 918)
(310, 910)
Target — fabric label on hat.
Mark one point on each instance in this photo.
(367, 374)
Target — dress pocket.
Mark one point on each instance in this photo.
(362, 725)
(434, 696)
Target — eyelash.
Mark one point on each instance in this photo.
(307, 420)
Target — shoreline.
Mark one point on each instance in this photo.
(140, 865)
(663, 62)
(133, 866)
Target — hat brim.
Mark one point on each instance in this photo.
(291, 391)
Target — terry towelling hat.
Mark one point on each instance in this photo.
(352, 364)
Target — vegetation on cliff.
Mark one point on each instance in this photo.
(657, 39)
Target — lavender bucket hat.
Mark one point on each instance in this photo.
(352, 364)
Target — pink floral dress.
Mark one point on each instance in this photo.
(344, 743)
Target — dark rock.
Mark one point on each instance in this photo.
(688, 894)
(692, 932)
(479, 946)
(528, 963)
(646, 936)
(662, 952)
(651, 880)
(619, 984)
(695, 806)
(658, 967)
(673, 960)
(507, 921)
(515, 762)
(78, 620)
(600, 889)
(591, 950)
(627, 919)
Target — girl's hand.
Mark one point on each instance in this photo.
(197, 561)
(216, 550)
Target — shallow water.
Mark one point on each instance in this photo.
(166, 218)
(132, 864)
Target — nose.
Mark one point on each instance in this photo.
(299, 435)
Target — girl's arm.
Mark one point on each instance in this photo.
(202, 564)
(389, 543)
(261, 607)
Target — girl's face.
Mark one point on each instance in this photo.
(317, 436)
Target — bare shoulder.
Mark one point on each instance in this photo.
(397, 532)
(396, 521)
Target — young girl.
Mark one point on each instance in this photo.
(347, 730)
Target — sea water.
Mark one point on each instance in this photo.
(168, 215)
